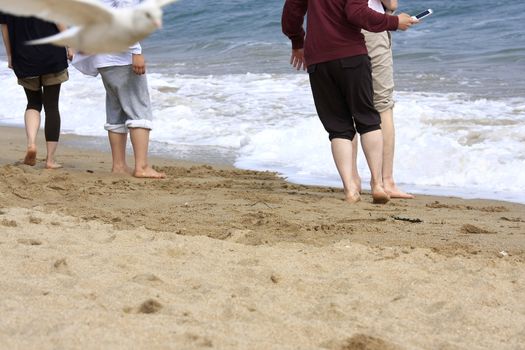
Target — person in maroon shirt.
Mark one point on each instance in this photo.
(333, 50)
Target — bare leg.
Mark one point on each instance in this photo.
(50, 160)
(372, 143)
(32, 123)
(389, 140)
(140, 142)
(342, 153)
(355, 173)
(118, 142)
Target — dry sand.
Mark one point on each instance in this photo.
(216, 257)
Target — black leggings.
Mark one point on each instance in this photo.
(48, 97)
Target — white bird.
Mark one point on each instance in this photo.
(94, 27)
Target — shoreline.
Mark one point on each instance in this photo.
(218, 257)
(205, 155)
(86, 167)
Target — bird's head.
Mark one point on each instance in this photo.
(148, 17)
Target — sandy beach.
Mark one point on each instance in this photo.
(217, 257)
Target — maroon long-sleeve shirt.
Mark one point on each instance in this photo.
(333, 27)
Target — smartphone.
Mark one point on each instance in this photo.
(423, 14)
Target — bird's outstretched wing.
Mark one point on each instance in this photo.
(162, 3)
(67, 12)
(61, 38)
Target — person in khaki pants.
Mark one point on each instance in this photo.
(379, 47)
(334, 53)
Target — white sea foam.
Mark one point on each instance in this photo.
(446, 143)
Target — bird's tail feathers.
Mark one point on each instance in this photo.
(61, 39)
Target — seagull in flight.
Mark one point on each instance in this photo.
(93, 26)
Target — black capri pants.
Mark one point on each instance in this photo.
(47, 96)
(343, 96)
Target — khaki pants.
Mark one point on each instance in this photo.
(379, 47)
(36, 83)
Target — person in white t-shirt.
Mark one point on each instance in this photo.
(128, 106)
(379, 47)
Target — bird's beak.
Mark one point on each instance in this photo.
(158, 23)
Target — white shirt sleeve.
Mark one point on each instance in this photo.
(136, 49)
(376, 5)
(86, 64)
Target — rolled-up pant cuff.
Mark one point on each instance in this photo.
(117, 128)
(139, 123)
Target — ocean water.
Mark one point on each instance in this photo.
(223, 91)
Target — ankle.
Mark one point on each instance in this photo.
(119, 167)
(142, 167)
(376, 183)
(388, 181)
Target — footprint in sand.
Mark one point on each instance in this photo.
(62, 267)
(360, 342)
(146, 278)
(471, 229)
(9, 223)
(149, 306)
(197, 340)
(237, 235)
(29, 241)
(275, 278)
(35, 220)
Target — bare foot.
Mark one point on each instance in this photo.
(53, 165)
(379, 196)
(352, 198)
(125, 170)
(395, 192)
(148, 173)
(30, 158)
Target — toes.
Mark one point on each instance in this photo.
(149, 175)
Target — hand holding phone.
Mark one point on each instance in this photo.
(406, 21)
(423, 14)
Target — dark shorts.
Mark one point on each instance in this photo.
(343, 96)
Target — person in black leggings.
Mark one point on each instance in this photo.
(40, 69)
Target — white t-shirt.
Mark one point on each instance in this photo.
(120, 58)
(376, 5)
(89, 64)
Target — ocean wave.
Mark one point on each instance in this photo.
(267, 121)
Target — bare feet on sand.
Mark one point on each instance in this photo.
(352, 197)
(148, 173)
(30, 158)
(52, 165)
(379, 196)
(395, 192)
(124, 170)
